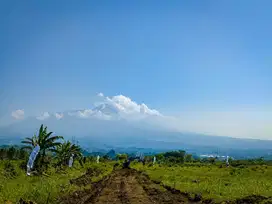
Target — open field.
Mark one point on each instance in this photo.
(102, 183)
(220, 184)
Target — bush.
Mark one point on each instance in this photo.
(9, 170)
(22, 165)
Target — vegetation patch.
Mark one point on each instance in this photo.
(211, 182)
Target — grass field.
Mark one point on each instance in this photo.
(212, 181)
(42, 189)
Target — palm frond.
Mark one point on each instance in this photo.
(52, 139)
(41, 130)
(53, 144)
(47, 135)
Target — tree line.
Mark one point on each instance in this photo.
(56, 151)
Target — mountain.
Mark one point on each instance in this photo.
(94, 134)
(123, 125)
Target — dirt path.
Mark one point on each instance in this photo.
(126, 186)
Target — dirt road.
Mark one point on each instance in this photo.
(126, 186)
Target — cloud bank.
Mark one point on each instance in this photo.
(107, 108)
(59, 115)
(115, 108)
(18, 114)
(43, 116)
(120, 107)
(125, 105)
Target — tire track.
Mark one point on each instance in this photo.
(123, 194)
(126, 186)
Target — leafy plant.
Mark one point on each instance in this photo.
(65, 150)
(46, 141)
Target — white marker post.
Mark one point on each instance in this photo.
(154, 160)
(97, 159)
(71, 160)
(227, 161)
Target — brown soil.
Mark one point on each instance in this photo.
(254, 199)
(86, 178)
(125, 186)
(128, 186)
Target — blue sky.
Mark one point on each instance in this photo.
(193, 58)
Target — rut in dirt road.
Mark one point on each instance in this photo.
(123, 188)
(126, 186)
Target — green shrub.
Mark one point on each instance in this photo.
(9, 170)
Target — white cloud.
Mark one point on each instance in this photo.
(110, 108)
(102, 116)
(86, 113)
(144, 109)
(59, 115)
(18, 114)
(126, 105)
(44, 116)
(116, 107)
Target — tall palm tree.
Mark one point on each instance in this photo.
(65, 151)
(44, 139)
